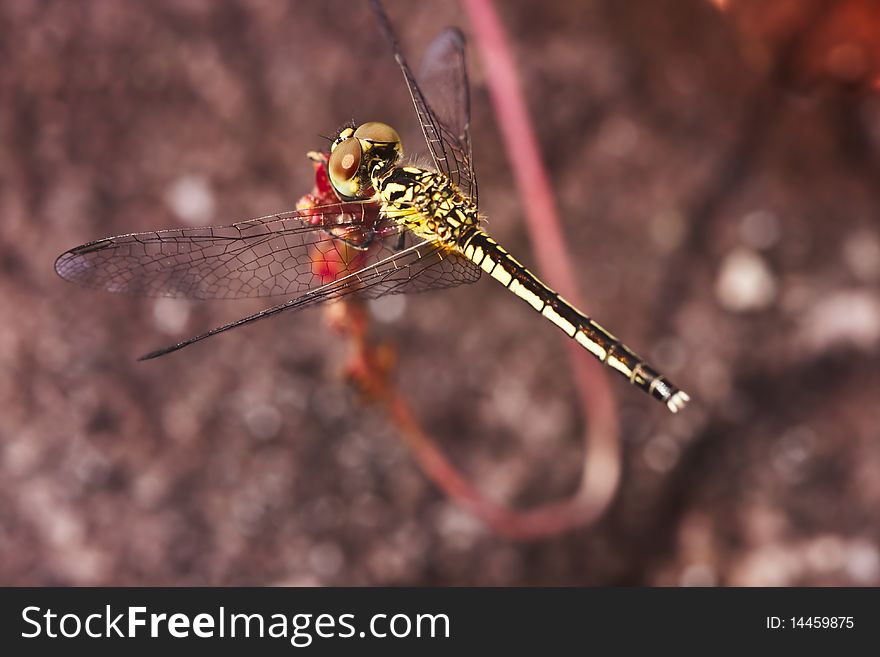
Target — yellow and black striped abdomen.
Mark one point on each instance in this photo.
(500, 265)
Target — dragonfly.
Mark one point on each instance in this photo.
(377, 227)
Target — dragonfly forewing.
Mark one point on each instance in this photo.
(280, 254)
(449, 145)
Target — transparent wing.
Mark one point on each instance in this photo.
(280, 254)
(446, 126)
(444, 82)
(427, 265)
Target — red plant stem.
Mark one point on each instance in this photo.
(371, 373)
(371, 369)
(602, 458)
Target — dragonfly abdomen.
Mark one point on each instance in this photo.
(500, 265)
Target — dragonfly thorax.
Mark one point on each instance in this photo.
(427, 203)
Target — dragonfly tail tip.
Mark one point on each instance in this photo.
(678, 401)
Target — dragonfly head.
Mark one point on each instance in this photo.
(358, 156)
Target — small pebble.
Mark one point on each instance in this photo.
(745, 282)
(842, 318)
(191, 199)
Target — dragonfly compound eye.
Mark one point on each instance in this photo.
(344, 167)
(378, 133)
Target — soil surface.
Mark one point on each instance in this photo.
(716, 165)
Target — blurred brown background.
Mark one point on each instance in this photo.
(717, 167)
